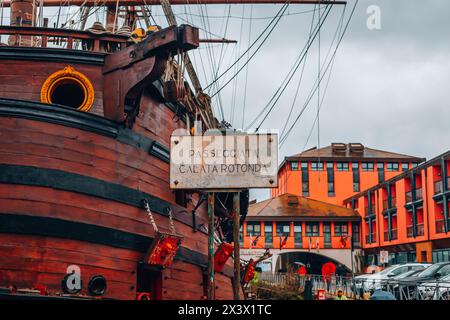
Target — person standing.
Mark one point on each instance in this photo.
(340, 295)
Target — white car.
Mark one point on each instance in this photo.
(436, 290)
(375, 281)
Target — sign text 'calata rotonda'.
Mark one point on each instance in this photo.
(223, 160)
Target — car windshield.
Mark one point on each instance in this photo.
(446, 278)
(429, 271)
(388, 269)
(407, 274)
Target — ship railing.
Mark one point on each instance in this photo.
(362, 289)
(63, 38)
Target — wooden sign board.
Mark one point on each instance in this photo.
(217, 161)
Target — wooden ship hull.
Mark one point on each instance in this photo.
(72, 182)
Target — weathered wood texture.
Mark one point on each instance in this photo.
(44, 260)
(24, 79)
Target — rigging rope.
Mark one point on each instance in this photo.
(253, 54)
(276, 19)
(289, 76)
(283, 139)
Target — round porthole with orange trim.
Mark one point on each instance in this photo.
(68, 87)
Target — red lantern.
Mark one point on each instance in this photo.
(221, 256)
(328, 269)
(302, 271)
(249, 271)
(163, 249)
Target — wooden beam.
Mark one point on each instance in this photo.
(237, 255)
(57, 3)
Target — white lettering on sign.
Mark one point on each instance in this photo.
(223, 160)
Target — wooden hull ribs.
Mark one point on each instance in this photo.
(72, 181)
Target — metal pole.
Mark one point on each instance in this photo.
(211, 285)
(351, 258)
(237, 255)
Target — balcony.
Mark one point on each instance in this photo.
(393, 203)
(420, 231)
(372, 210)
(438, 186)
(394, 235)
(440, 226)
(374, 238)
(419, 195)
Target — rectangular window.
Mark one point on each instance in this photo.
(413, 165)
(312, 229)
(367, 166)
(294, 165)
(342, 166)
(298, 234)
(356, 233)
(380, 169)
(340, 229)
(330, 178)
(305, 179)
(268, 234)
(253, 229)
(283, 229)
(392, 166)
(327, 234)
(355, 170)
(405, 167)
(317, 166)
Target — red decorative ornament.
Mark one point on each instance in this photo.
(143, 296)
(328, 269)
(321, 294)
(249, 272)
(302, 271)
(42, 289)
(221, 256)
(163, 249)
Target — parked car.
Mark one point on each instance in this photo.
(436, 290)
(409, 286)
(375, 281)
(392, 284)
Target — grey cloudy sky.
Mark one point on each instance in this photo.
(389, 88)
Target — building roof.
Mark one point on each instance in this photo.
(402, 175)
(351, 152)
(288, 206)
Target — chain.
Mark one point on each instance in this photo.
(152, 220)
(172, 226)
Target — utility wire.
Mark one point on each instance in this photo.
(283, 138)
(300, 78)
(291, 73)
(275, 20)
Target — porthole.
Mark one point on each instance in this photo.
(70, 88)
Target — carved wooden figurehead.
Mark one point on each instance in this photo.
(128, 72)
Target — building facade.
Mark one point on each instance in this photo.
(408, 215)
(336, 172)
(300, 230)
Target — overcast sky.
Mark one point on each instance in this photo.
(389, 88)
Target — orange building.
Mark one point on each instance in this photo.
(302, 230)
(408, 215)
(338, 171)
